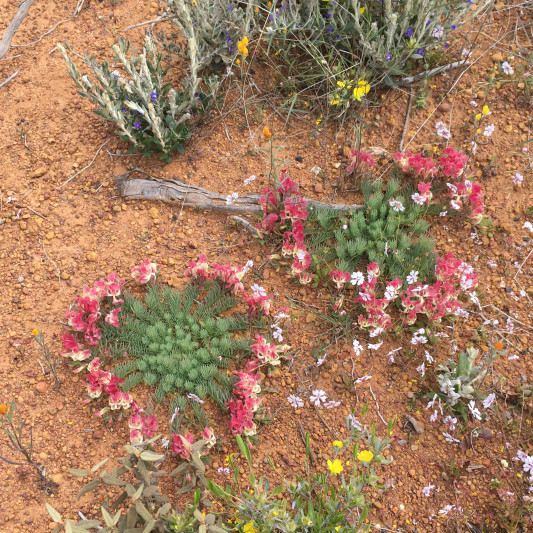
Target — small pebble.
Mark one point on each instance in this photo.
(21, 279)
(299, 158)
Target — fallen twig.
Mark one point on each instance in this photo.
(302, 433)
(40, 38)
(247, 225)
(406, 82)
(523, 262)
(84, 168)
(5, 82)
(22, 11)
(146, 22)
(377, 405)
(53, 263)
(174, 191)
(36, 212)
(411, 96)
(10, 57)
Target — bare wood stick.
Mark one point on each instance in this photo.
(23, 9)
(247, 225)
(40, 38)
(10, 57)
(301, 431)
(84, 168)
(411, 96)
(175, 191)
(377, 405)
(9, 79)
(146, 22)
(53, 263)
(406, 82)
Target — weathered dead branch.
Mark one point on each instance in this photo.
(23, 9)
(174, 191)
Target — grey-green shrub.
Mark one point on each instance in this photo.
(178, 341)
(148, 113)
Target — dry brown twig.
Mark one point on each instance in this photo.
(22, 11)
(5, 82)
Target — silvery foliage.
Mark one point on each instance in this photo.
(462, 379)
(373, 39)
(212, 29)
(147, 111)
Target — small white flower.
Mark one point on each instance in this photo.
(246, 268)
(116, 73)
(165, 443)
(357, 347)
(517, 178)
(396, 205)
(353, 423)
(474, 147)
(473, 103)
(434, 416)
(474, 410)
(345, 226)
(277, 334)
(249, 180)
(362, 379)
(450, 422)
(331, 404)
(224, 470)
(426, 491)
(442, 130)
(375, 346)
(295, 401)
(443, 213)
(438, 32)
(506, 67)
(421, 369)
(412, 277)
(489, 400)
(174, 415)
(357, 278)
(375, 332)
(230, 198)
(195, 398)
(318, 397)
(258, 290)
(455, 204)
(528, 225)
(449, 438)
(489, 130)
(513, 357)
(509, 325)
(429, 357)
(417, 198)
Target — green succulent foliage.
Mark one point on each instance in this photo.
(395, 240)
(179, 342)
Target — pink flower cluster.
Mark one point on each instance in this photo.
(268, 352)
(422, 166)
(453, 165)
(182, 444)
(231, 276)
(141, 425)
(100, 381)
(285, 208)
(144, 272)
(85, 317)
(376, 315)
(245, 401)
(454, 277)
(358, 158)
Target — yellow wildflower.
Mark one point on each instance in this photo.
(35, 332)
(334, 102)
(3, 409)
(242, 46)
(366, 456)
(361, 89)
(478, 116)
(337, 444)
(341, 84)
(267, 133)
(478, 130)
(335, 467)
(485, 110)
(249, 528)
(362, 10)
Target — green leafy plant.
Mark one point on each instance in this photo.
(342, 48)
(463, 379)
(13, 427)
(178, 341)
(148, 113)
(380, 232)
(46, 358)
(316, 502)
